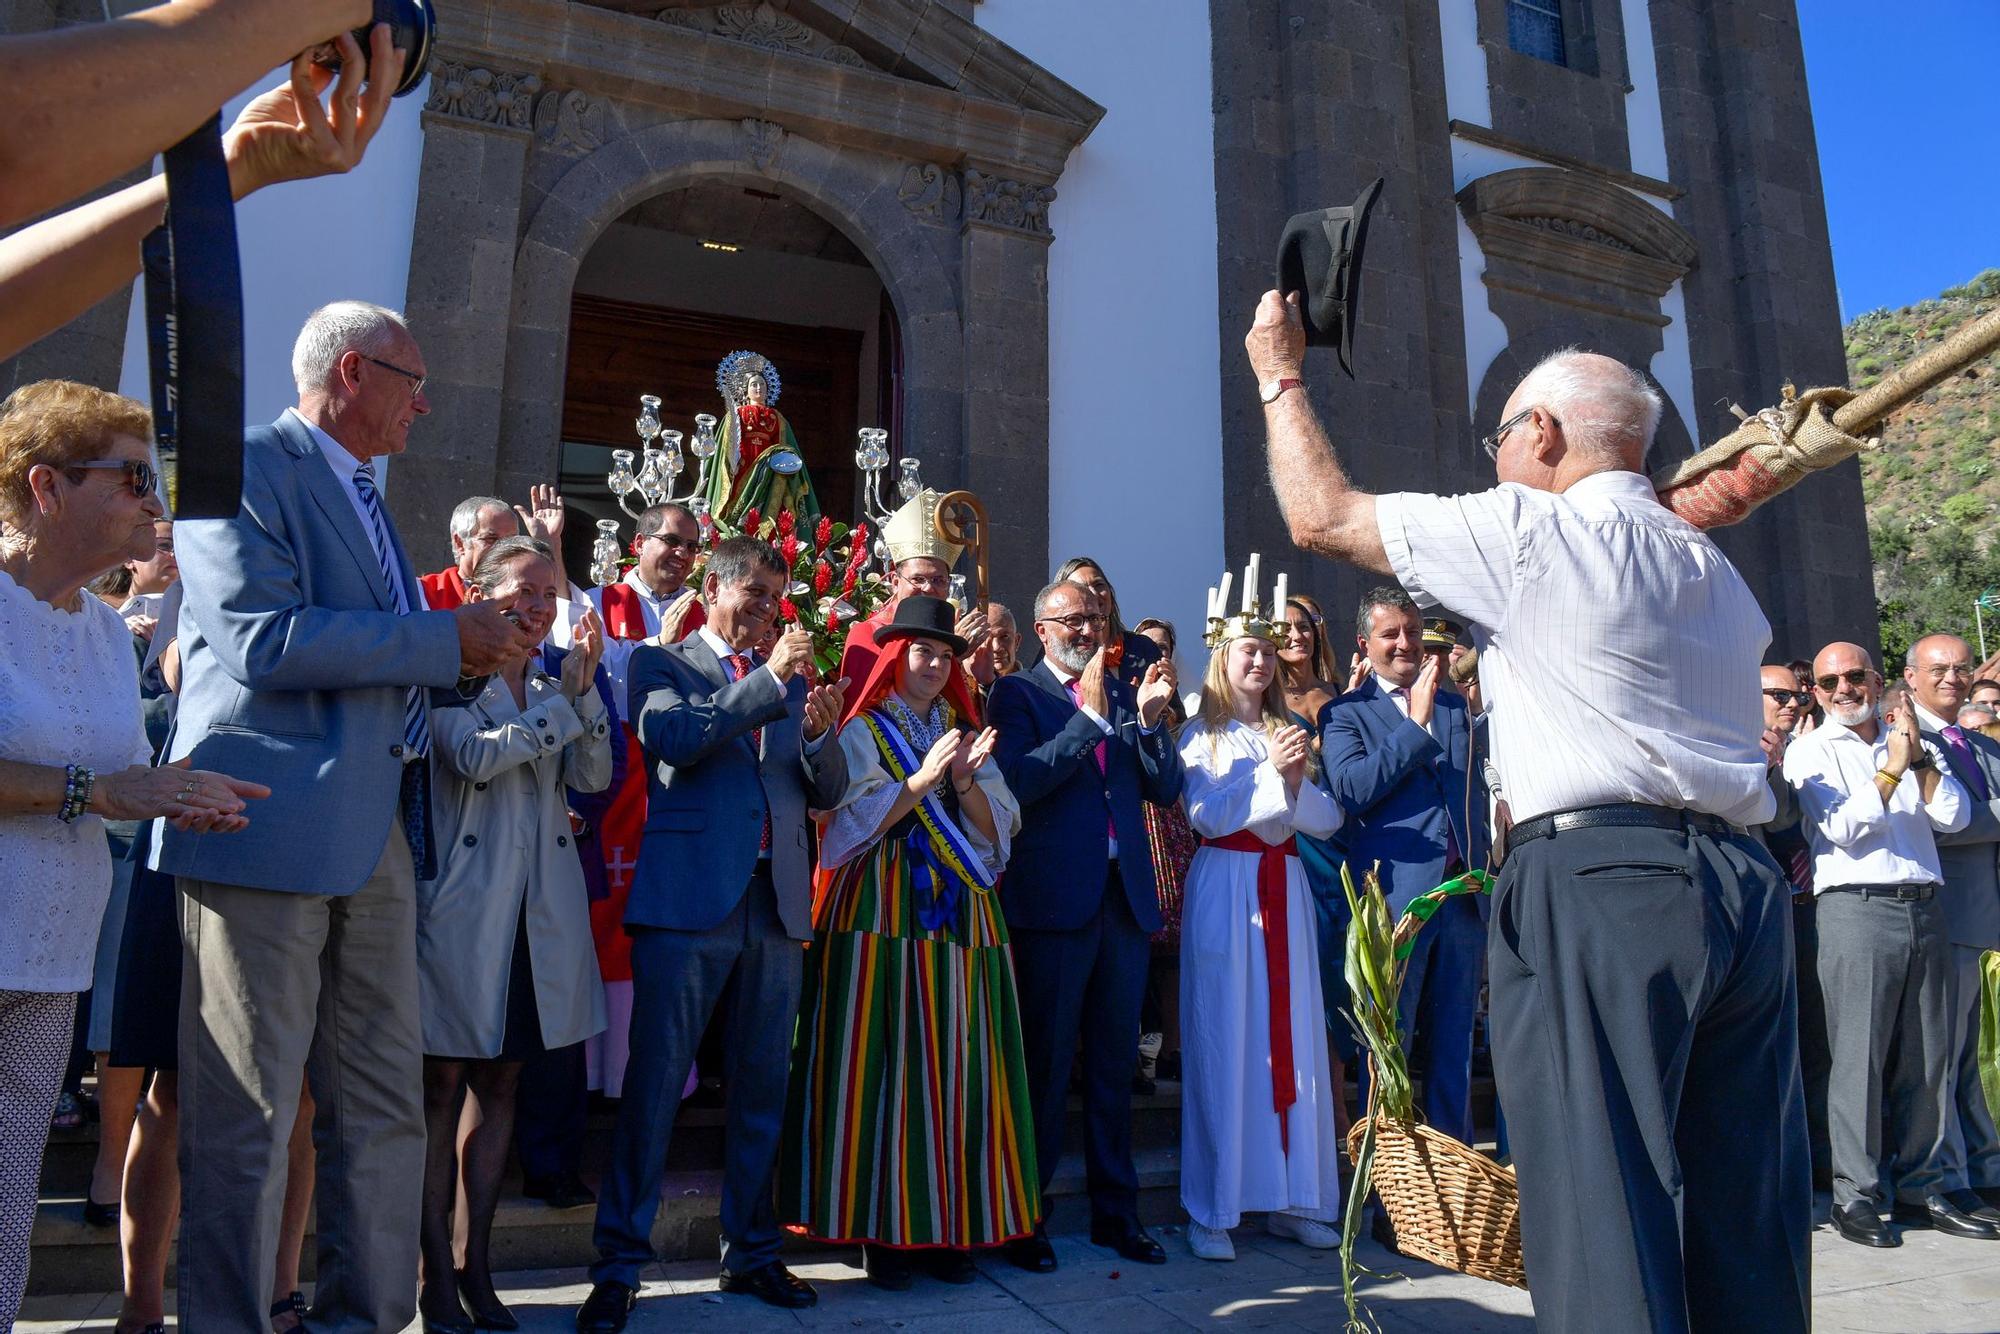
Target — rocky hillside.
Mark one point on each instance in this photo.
(1933, 488)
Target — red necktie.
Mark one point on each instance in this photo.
(740, 664)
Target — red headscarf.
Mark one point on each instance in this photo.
(881, 680)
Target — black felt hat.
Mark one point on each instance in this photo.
(922, 617)
(1319, 257)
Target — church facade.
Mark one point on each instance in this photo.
(1026, 237)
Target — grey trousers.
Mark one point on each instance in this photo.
(1883, 965)
(1645, 1042)
(276, 984)
(1971, 1145)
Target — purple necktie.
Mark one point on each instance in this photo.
(1968, 762)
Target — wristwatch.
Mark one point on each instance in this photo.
(1270, 390)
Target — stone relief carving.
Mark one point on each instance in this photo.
(761, 140)
(931, 191)
(1020, 205)
(488, 97)
(570, 120)
(762, 26)
(1582, 231)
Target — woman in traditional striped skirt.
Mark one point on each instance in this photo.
(908, 1126)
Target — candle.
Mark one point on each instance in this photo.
(1250, 585)
(1222, 597)
(1278, 600)
(1211, 602)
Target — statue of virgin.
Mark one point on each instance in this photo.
(758, 464)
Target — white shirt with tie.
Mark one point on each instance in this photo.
(1857, 838)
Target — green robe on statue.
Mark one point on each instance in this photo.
(759, 437)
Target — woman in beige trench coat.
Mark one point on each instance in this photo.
(504, 951)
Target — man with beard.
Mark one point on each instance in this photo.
(1873, 798)
(1938, 672)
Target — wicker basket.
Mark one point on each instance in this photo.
(1451, 1205)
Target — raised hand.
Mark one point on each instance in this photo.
(488, 639)
(1090, 690)
(1156, 691)
(937, 764)
(824, 704)
(1773, 744)
(1424, 690)
(793, 653)
(1358, 669)
(966, 763)
(1290, 751)
(1277, 338)
(286, 135)
(1903, 742)
(586, 650)
(195, 800)
(543, 518)
(973, 629)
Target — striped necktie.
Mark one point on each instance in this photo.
(416, 723)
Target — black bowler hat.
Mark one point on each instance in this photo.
(920, 617)
(1319, 257)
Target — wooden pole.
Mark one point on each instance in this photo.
(951, 526)
(1903, 384)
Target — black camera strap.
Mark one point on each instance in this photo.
(194, 327)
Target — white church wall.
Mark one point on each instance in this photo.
(1135, 416)
(307, 243)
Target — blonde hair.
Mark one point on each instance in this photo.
(56, 423)
(1218, 710)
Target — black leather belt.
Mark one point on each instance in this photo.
(1624, 815)
(1899, 893)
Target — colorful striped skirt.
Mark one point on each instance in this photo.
(908, 1122)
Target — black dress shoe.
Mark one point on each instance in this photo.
(1128, 1239)
(484, 1304)
(774, 1285)
(565, 1191)
(1970, 1204)
(100, 1215)
(887, 1269)
(1859, 1222)
(1937, 1212)
(949, 1266)
(438, 1311)
(1032, 1253)
(607, 1308)
(1990, 1194)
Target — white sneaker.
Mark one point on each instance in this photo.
(1305, 1231)
(1210, 1243)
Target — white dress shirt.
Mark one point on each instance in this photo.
(1855, 838)
(1618, 647)
(344, 465)
(617, 652)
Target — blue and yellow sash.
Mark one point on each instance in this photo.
(943, 864)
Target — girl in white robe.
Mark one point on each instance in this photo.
(1253, 1136)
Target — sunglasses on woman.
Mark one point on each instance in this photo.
(1854, 676)
(139, 474)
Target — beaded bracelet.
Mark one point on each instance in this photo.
(78, 780)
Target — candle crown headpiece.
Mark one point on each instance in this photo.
(1250, 619)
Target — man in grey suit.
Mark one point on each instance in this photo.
(1939, 671)
(721, 903)
(306, 655)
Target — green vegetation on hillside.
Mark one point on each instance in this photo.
(1933, 488)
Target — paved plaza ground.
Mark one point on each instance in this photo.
(1931, 1283)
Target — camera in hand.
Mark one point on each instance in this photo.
(411, 27)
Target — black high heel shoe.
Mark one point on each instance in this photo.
(486, 1308)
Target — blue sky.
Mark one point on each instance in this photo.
(1904, 99)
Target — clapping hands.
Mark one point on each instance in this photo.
(1156, 690)
(965, 763)
(1291, 752)
(579, 668)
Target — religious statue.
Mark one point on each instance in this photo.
(758, 465)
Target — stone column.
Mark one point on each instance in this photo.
(477, 133)
(1004, 271)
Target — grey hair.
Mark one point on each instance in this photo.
(1969, 715)
(735, 559)
(491, 571)
(465, 514)
(1606, 408)
(998, 611)
(1049, 590)
(1387, 595)
(337, 328)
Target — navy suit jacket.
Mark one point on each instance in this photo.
(1402, 789)
(1061, 858)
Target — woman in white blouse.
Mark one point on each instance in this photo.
(505, 958)
(1257, 1101)
(77, 497)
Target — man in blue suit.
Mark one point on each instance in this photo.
(721, 905)
(306, 653)
(1396, 750)
(1081, 750)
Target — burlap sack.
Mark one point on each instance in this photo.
(1768, 453)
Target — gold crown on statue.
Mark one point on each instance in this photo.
(912, 531)
(1250, 620)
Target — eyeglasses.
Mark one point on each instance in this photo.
(416, 381)
(1785, 697)
(1854, 676)
(672, 543)
(1074, 624)
(1491, 443)
(139, 474)
(1942, 670)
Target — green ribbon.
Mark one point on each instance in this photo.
(1425, 905)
